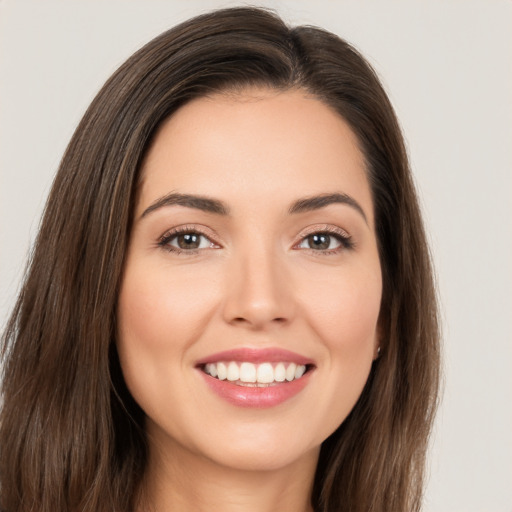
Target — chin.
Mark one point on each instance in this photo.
(270, 457)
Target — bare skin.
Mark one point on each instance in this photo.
(254, 232)
(201, 485)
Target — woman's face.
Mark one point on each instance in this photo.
(251, 293)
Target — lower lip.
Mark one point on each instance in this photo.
(256, 397)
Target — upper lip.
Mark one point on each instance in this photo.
(256, 355)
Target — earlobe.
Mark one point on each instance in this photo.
(378, 337)
(378, 340)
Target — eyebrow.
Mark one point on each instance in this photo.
(316, 202)
(210, 205)
(203, 203)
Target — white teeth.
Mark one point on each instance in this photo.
(211, 369)
(264, 373)
(233, 372)
(279, 373)
(290, 372)
(299, 372)
(222, 371)
(247, 372)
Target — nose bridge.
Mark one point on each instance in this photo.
(259, 291)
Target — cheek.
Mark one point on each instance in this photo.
(163, 310)
(344, 314)
(344, 311)
(160, 314)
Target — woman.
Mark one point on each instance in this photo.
(230, 303)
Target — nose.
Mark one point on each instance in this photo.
(259, 292)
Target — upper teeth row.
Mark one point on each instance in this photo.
(264, 373)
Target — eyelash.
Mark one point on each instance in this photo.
(345, 240)
(165, 240)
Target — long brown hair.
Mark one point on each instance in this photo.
(71, 437)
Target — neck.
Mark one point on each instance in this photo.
(187, 482)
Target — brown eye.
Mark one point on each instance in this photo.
(325, 241)
(319, 241)
(188, 241)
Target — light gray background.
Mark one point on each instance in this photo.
(448, 68)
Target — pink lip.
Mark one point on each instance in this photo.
(259, 398)
(256, 397)
(255, 355)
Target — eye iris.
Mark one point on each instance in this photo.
(189, 241)
(319, 241)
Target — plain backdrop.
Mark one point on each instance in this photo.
(447, 66)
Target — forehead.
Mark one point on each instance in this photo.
(252, 145)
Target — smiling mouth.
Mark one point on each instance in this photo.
(255, 375)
